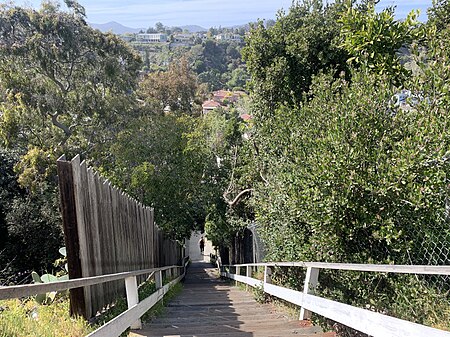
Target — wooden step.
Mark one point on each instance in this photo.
(230, 329)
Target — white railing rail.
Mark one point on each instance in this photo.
(369, 322)
(129, 318)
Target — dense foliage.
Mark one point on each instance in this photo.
(64, 88)
(67, 75)
(282, 59)
(350, 173)
(375, 39)
(175, 89)
(219, 64)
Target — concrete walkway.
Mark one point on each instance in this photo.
(212, 307)
(194, 248)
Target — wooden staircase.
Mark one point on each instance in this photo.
(212, 307)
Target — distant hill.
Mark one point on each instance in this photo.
(194, 28)
(118, 28)
(115, 27)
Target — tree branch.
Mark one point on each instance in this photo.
(58, 124)
(233, 202)
(264, 179)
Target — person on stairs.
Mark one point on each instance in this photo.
(202, 245)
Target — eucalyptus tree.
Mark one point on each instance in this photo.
(64, 88)
(72, 79)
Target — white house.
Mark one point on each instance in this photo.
(149, 38)
(228, 37)
(183, 38)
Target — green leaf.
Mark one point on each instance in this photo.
(63, 251)
(50, 297)
(47, 278)
(36, 277)
(63, 278)
(40, 298)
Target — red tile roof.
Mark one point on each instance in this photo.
(210, 104)
(246, 117)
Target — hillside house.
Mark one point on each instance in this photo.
(246, 117)
(151, 38)
(225, 96)
(228, 37)
(210, 105)
(186, 38)
(183, 39)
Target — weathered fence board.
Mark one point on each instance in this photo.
(69, 215)
(106, 232)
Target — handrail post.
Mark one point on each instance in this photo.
(311, 280)
(158, 279)
(267, 274)
(132, 298)
(248, 273)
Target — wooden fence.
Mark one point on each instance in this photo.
(106, 232)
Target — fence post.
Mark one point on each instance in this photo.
(238, 272)
(158, 279)
(267, 274)
(132, 297)
(311, 280)
(248, 273)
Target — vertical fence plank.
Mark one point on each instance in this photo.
(82, 235)
(69, 218)
(93, 220)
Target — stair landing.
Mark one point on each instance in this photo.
(211, 307)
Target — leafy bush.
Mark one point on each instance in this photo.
(353, 179)
(30, 232)
(25, 318)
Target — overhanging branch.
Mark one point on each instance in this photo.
(58, 124)
(233, 202)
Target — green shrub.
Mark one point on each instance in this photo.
(25, 318)
(351, 178)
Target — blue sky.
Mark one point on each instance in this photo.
(206, 13)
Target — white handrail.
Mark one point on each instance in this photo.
(369, 322)
(130, 317)
(383, 268)
(7, 292)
